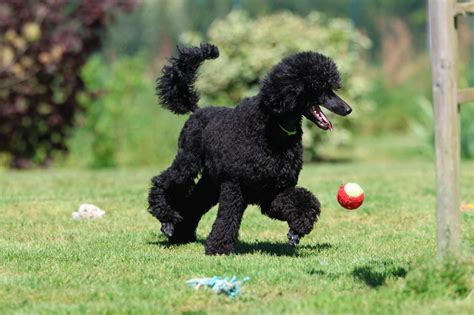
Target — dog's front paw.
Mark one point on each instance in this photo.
(167, 229)
(293, 238)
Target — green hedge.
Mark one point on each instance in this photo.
(123, 126)
(250, 47)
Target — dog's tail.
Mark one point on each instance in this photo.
(176, 87)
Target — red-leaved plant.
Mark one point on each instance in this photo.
(43, 45)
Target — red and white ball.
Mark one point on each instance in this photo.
(350, 196)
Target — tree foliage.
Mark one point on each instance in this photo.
(161, 21)
(43, 45)
(249, 48)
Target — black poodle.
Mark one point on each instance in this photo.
(251, 154)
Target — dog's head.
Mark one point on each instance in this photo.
(300, 84)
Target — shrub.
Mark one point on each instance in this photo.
(249, 48)
(43, 45)
(423, 127)
(467, 131)
(124, 126)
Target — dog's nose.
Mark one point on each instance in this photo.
(348, 110)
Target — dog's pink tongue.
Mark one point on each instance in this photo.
(322, 118)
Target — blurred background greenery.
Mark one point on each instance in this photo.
(381, 48)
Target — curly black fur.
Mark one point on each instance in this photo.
(176, 87)
(244, 155)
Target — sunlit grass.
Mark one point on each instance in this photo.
(378, 259)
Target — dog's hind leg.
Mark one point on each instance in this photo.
(170, 190)
(167, 195)
(203, 197)
(297, 206)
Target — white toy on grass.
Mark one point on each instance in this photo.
(88, 211)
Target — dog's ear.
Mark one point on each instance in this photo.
(279, 98)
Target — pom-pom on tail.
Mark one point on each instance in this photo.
(176, 87)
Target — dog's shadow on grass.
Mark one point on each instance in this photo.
(166, 244)
(264, 247)
(278, 248)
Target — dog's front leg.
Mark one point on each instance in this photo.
(225, 229)
(300, 208)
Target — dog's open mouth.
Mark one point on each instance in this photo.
(316, 115)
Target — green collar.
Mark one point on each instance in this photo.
(288, 132)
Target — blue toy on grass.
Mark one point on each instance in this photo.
(231, 286)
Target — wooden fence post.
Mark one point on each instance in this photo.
(443, 41)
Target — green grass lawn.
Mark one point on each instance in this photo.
(379, 259)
